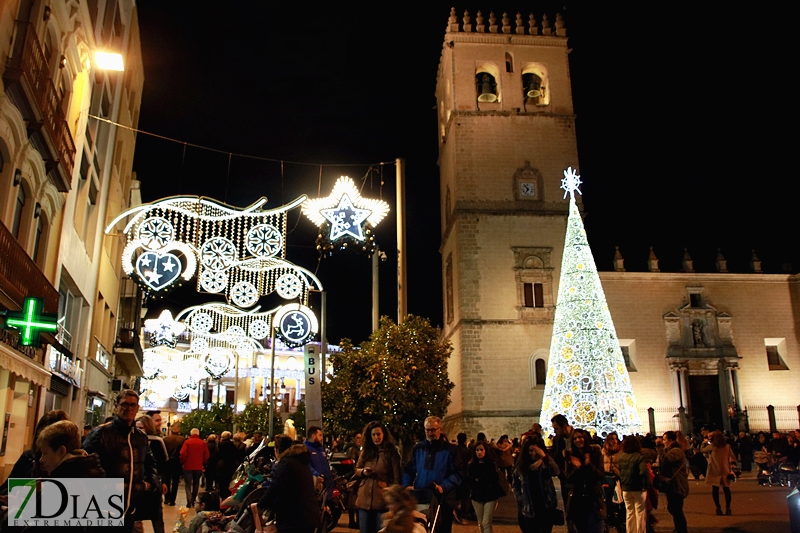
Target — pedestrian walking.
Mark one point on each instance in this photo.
(503, 451)
(194, 455)
(672, 466)
(174, 443)
(483, 479)
(533, 486)
(225, 464)
(634, 478)
(719, 468)
(378, 468)
(150, 508)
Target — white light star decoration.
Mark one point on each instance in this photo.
(345, 218)
(571, 183)
(164, 330)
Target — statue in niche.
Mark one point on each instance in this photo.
(697, 333)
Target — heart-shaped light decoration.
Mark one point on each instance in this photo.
(158, 270)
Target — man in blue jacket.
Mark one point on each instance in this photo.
(435, 465)
(319, 461)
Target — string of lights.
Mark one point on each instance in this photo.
(236, 154)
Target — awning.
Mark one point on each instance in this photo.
(23, 367)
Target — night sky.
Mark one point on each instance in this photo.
(682, 129)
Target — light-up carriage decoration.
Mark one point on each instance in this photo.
(240, 253)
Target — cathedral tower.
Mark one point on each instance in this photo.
(506, 133)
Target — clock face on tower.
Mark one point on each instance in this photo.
(527, 189)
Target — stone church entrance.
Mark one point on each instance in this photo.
(705, 400)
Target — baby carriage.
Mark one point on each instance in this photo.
(767, 468)
(427, 511)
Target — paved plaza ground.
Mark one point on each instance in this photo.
(755, 510)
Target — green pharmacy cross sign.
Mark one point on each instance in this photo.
(31, 321)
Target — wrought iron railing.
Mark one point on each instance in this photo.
(19, 275)
(32, 65)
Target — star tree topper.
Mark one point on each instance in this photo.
(164, 330)
(571, 183)
(346, 211)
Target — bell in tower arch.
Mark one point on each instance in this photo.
(487, 87)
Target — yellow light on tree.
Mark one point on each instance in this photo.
(587, 380)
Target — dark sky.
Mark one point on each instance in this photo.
(683, 120)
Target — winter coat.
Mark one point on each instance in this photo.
(433, 462)
(672, 464)
(586, 480)
(504, 456)
(320, 465)
(633, 473)
(118, 445)
(291, 492)
(385, 471)
(543, 476)
(150, 506)
(225, 460)
(719, 465)
(194, 453)
(483, 479)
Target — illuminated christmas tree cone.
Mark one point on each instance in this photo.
(587, 380)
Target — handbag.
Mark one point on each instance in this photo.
(662, 483)
(616, 497)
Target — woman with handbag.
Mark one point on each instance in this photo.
(483, 479)
(584, 472)
(534, 489)
(634, 479)
(719, 468)
(378, 467)
(505, 459)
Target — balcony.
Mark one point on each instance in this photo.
(20, 277)
(128, 349)
(31, 89)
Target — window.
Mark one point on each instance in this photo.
(19, 207)
(535, 90)
(537, 366)
(509, 63)
(628, 347)
(37, 241)
(696, 300)
(541, 372)
(533, 294)
(776, 348)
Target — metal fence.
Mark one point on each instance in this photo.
(786, 417)
(666, 419)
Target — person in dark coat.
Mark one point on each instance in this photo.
(672, 465)
(584, 464)
(210, 473)
(120, 445)
(225, 464)
(483, 480)
(174, 442)
(745, 448)
(291, 493)
(533, 486)
(151, 508)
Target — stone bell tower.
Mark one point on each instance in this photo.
(506, 133)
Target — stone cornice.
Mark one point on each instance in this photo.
(497, 322)
(672, 277)
(506, 38)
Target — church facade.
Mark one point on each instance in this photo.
(698, 346)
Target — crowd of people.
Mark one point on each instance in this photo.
(465, 478)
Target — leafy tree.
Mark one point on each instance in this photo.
(398, 377)
(255, 417)
(299, 418)
(215, 420)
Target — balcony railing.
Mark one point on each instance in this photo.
(27, 69)
(20, 277)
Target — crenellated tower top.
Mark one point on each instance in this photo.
(518, 27)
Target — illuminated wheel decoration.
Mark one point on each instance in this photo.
(289, 286)
(584, 413)
(218, 362)
(259, 329)
(235, 331)
(181, 392)
(244, 348)
(264, 240)
(156, 232)
(244, 294)
(217, 253)
(199, 345)
(202, 323)
(213, 281)
(296, 324)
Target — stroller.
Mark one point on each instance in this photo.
(615, 506)
(427, 512)
(767, 468)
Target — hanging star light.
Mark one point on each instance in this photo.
(164, 330)
(345, 218)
